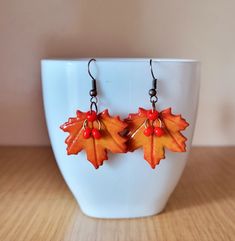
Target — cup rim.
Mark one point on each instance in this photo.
(177, 60)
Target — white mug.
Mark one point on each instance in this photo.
(125, 186)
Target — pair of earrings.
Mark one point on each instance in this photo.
(150, 129)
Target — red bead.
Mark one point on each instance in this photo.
(87, 133)
(91, 116)
(148, 131)
(96, 133)
(158, 131)
(152, 114)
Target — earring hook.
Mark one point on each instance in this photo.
(93, 91)
(153, 90)
(88, 65)
(151, 69)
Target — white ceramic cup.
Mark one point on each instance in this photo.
(125, 186)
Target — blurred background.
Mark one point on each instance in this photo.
(32, 30)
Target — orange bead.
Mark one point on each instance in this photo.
(87, 133)
(96, 133)
(152, 114)
(91, 116)
(158, 131)
(148, 131)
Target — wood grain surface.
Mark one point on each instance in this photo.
(35, 203)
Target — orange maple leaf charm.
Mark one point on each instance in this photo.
(95, 136)
(154, 133)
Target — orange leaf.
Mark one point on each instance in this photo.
(96, 149)
(154, 145)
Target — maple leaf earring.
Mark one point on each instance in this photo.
(154, 131)
(94, 132)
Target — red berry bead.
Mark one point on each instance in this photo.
(91, 116)
(87, 133)
(158, 131)
(96, 133)
(148, 131)
(152, 114)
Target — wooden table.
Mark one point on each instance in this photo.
(36, 205)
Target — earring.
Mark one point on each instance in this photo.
(154, 131)
(94, 132)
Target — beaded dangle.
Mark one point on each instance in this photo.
(154, 131)
(94, 132)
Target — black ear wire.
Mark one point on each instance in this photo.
(93, 91)
(153, 90)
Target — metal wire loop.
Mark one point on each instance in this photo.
(153, 100)
(85, 124)
(94, 99)
(93, 107)
(161, 125)
(146, 123)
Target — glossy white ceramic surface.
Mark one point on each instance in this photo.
(125, 186)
